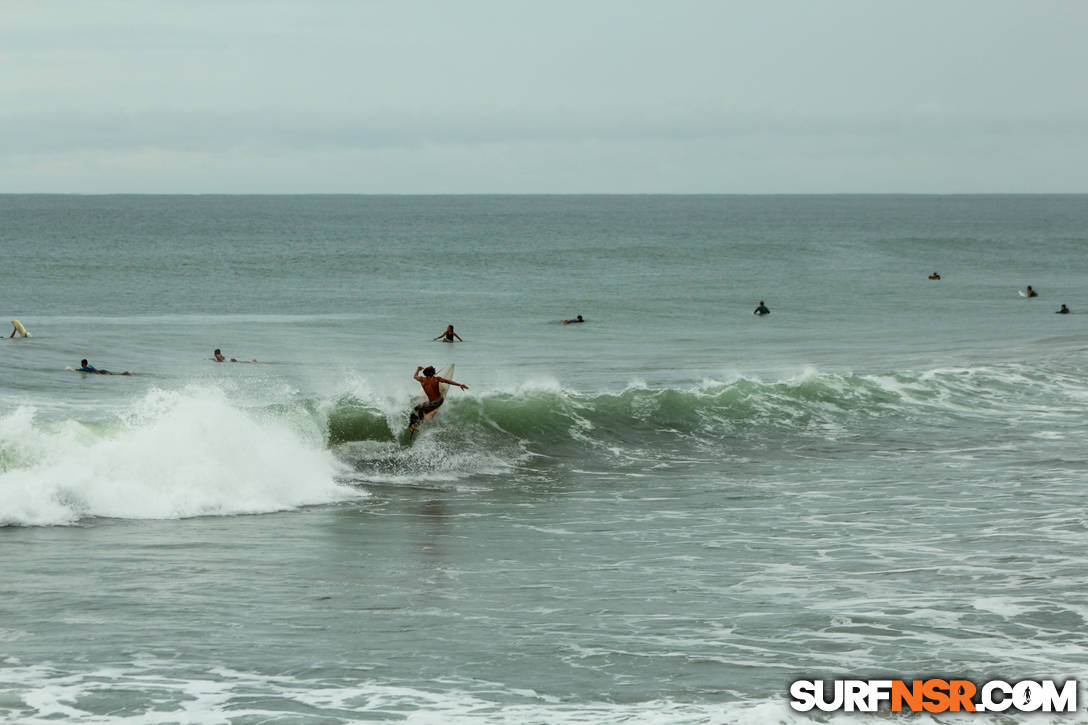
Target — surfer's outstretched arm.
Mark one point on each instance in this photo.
(452, 382)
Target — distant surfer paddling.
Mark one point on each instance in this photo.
(1063, 311)
(219, 357)
(571, 322)
(448, 336)
(761, 310)
(1029, 292)
(934, 276)
(85, 367)
(430, 383)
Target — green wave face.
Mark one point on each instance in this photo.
(739, 417)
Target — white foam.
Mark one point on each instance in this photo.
(1008, 607)
(173, 455)
(430, 460)
(48, 694)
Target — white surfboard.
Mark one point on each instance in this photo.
(447, 373)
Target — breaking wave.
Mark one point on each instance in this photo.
(173, 455)
(196, 452)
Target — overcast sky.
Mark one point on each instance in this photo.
(545, 96)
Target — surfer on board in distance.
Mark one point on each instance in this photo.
(1029, 292)
(85, 367)
(571, 322)
(1063, 311)
(934, 276)
(218, 357)
(761, 310)
(430, 383)
(448, 336)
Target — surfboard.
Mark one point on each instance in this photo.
(19, 328)
(447, 373)
(410, 433)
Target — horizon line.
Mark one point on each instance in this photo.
(544, 194)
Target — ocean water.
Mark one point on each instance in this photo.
(664, 515)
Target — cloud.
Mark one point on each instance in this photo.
(854, 93)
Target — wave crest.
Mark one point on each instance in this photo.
(811, 403)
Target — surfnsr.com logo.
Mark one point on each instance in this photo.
(933, 695)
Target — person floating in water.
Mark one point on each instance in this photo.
(934, 276)
(17, 327)
(430, 383)
(1031, 292)
(571, 322)
(1063, 311)
(761, 310)
(218, 357)
(85, 367)
(448, 336)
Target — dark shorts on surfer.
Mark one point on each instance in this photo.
(423, 408)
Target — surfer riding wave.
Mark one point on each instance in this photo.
(430, 383)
